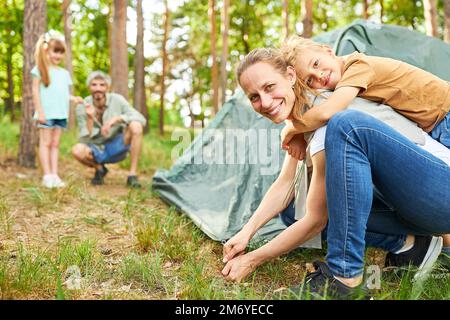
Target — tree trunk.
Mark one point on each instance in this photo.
(67, 21)
(447, 21)
(10, 103)
(366, 9)
(164, 67)
(307, 12)
(139, 65)
(285, 17)
(214, 69)
(224, 59)
(430, 13)
(110, 32)
(381, 2)
(244, 29)
(35, 24)
(119, 49)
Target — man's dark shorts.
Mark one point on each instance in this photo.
(113, 151)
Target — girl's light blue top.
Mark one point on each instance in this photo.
(55, 97)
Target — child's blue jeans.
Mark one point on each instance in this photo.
(441, 132)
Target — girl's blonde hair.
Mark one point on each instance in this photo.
(275, 58)
(292, 49)
(47, 41)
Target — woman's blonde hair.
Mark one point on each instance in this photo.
(48, 41)
(276, 59)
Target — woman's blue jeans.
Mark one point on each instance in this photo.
(361, 152)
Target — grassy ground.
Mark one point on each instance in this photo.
(109, 242)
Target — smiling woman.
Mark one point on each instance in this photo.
(366, 162)
(273, 96)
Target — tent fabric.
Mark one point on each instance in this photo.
(220, 198)
(395, 42)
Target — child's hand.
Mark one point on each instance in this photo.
(41, 119)
(297, 147)
(78, 100)
(286, 135)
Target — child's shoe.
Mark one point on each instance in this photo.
(47, 181)
(57, 182)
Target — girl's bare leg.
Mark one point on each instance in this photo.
(54, 150)
(45, 139)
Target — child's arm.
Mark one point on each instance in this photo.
(316, 117)
(37, 99)
(76, 99)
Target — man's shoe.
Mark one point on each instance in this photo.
(99, 175)
(444, 262)
(422, 256)
(322, 284)
(133, 182)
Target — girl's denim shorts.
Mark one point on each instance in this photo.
(53, 123)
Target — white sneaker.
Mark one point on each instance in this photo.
(57, 182)
(47, 181)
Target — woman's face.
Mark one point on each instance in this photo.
(269, 91)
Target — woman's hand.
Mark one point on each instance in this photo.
(240, 267)
(236, 245)
(297, 147)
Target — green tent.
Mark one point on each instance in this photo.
(220, 197)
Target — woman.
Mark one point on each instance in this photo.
(274, 92)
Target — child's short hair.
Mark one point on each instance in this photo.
(295, 45)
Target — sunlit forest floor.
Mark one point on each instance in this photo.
(110, 242)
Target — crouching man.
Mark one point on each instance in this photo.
(109, 128)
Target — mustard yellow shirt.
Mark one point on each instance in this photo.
(415, 93)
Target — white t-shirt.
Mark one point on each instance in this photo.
(432, 146)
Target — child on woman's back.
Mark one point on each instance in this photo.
(413, 92)
(51, 98)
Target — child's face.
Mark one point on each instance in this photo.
(269, 91)
(55, 57)
(320, 68)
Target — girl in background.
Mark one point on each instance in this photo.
(51, 98)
